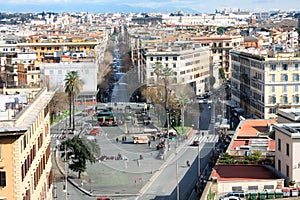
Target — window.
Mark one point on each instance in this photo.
(60, 72)
(272, 77)
(284, 88)
(236, 188)
(32, 76)
(284, 66)
(279, 165)
(296, 99)
(253, 187)
(296, 66)
(279, 144)
(48, 48)
(42, 48)
(273, 88)
(2, 178)
(174, 65)
(296, 88)
(287, 149)
(273, 67)
(268, 187)
(284, 77)
(284, 99)
(273, 99)
(167, 58)
(272, 110)
(174, 58)
(151, 58)
(287, 170)
(151, 73)
(296, 77)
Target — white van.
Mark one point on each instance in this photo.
(234, 196)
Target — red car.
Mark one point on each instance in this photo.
(95, 132)
(104, 198)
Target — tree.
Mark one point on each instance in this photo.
(58, 103)
(158, 68)
(164, 73)
(183, 101)
(73, 85)
(222, 73)
(78, 153)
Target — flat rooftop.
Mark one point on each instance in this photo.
(237, 172)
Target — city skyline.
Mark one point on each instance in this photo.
(104, 6)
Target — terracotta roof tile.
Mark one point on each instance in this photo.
(250, 128)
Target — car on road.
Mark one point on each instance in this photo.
(104, 198)
(195, 143)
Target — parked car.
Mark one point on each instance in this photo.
(104, 198)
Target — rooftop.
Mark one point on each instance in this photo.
(225, 172)
(254, 127)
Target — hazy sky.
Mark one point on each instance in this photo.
(207, 6)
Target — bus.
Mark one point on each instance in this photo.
(105, 117)
(140, 139)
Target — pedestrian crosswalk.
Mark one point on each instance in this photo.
(54, 136)
(205, 139)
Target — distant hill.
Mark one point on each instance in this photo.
(87, 7)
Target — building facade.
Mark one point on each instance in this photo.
(190, 64)
(54, 74)
(262, 84)
(287, 158)
(25, 164)
(220, 47)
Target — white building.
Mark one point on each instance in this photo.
(53, 75)
(189, 61)
(287, 157)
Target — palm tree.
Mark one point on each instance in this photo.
(183, 100)
(73, 85)
(164, 73)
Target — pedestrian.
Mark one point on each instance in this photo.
(125, 138)
(117, 140)
(81, 184)
(188, 163)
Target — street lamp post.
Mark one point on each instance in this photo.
(177, 178)
(66, 173)
(199, 167)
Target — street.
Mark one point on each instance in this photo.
(134, 171)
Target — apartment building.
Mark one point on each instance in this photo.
(25, 163)
(49, 48)
(264, 83)
(189, 61)
(20, 69)
(220, 46)
(287, 158)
